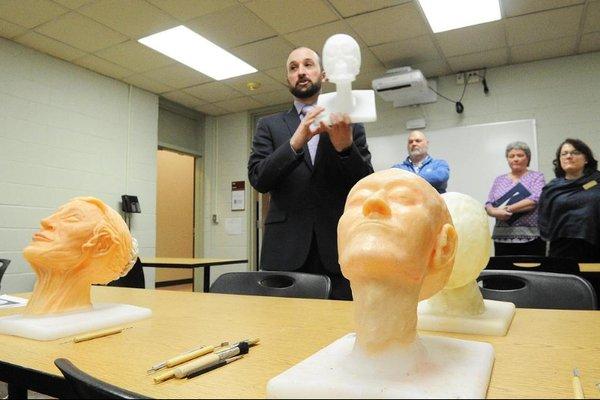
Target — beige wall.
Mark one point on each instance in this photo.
(174, 211)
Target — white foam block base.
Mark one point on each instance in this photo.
(56, 326)
(363, 111)
(450, 368)
(494, 321)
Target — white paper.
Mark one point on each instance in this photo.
(7, 301)
(233, 226)
(237, 200)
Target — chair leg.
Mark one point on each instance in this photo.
(17, 391)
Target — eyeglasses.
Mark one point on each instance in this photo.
(573, 153)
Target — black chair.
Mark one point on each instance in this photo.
(3, 265)
(88, 387)
(534, 289)
(274, 283)
(133, 279)
(534, 263)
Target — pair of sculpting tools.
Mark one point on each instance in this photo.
(211, 359)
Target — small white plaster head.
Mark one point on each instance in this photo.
(474, 241)
(341, 58)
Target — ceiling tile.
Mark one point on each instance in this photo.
(213, 92)
(273, 98)
(239, 104)
(292, 15)
(49, 46)
(9, 30)
(590, 42)
(267, 84)
(30, 13)
(177, 76)
(395, 23)
(542, 50)
(542, 26)
(433, 68)
(183, 98)
(73, 4)
(315, 37)
(349, 8)
(134, 18)
(265, 54)
(217, 27)
(485, 59)
(81, 32)
(363, 81)
(135, 56)
(102, 66)
(211, 109)
(472, 39)
(151, 85)
(185, 10)
(278, 73)
(592, 19)
(519, 7)
(406, 52)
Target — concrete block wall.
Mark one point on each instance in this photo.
(65, 132)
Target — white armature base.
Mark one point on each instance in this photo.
(56, 326)
(494, 321)
(432, 367)
(362, 108)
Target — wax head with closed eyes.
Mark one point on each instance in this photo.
(82, 243)
(396, 245)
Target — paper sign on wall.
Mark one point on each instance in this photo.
(238, 193)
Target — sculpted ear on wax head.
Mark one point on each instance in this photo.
(396, 245)
(82, 243)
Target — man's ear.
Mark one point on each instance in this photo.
(445, 248)
(100, 244)
(441, 262)
(324, 77)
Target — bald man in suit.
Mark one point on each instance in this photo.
(308, 173)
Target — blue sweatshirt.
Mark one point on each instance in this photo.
(434, 171)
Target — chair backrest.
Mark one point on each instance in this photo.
(274, 283)
(534, 263)
(88, 387)
(133, 279)
(3, 265)
(534, 289)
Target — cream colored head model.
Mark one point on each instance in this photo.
(396, 245)
(82, 243)
(461, 295)
(341, 58)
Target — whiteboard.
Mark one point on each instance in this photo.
(475, 153)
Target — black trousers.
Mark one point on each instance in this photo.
(536, 247)
(340, 286)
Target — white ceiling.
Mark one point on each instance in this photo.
(101, 35)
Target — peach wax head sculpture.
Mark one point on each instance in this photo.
(82, 243)
(396, 245)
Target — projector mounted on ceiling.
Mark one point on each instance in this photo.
(405, 87)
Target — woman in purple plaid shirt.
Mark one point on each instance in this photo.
(516, 231)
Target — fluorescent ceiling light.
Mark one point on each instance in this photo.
(444, 15)
(189, 48)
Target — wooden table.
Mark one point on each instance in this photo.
(206, 263)
(589, 267)
(535, 359)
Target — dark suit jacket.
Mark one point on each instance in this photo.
(304, 198)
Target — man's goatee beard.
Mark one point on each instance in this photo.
(310, 91)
